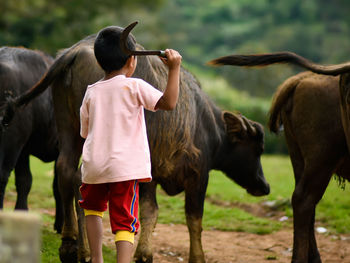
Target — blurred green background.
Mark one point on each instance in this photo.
(201, 30)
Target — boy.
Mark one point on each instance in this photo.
(116, 154)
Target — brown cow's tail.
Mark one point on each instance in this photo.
(279, 57)
(11, 105)
(280, 100)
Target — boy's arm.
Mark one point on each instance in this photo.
(169, 99)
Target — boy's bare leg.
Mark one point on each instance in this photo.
(94, 229)
(124, 251)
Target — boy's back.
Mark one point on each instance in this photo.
(116, 145)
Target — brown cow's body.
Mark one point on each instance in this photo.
(185, 144)
(314, 111)
(344, 87)
(308, 107)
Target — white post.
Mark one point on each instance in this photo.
(20, 237)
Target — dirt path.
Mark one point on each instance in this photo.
(171, 244)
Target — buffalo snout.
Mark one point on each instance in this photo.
(260, 192)
(262, 187)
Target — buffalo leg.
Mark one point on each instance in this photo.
(59, 206)
(194, 206)
(305, 197)
(4, 177)
(23, 181)
(148, 220)
(314, 255)
(67, 164)
(74, 240)
(83, 244)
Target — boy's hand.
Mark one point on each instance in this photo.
(173, 59)
(171, 93)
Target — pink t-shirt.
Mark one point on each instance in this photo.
(112, 121)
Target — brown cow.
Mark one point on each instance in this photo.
(307, 105)
(292, 58)
(344, 86)
(185, 145)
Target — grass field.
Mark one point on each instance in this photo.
(224, 208)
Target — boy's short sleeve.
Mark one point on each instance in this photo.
(148, 95)
(84, 120)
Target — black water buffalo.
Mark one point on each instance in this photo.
(185, 145)
(33, 130)
(308, 107)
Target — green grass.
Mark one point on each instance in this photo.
(278, 173)
(222, 210)
(50, 244)
(334, 208)
(235, 219)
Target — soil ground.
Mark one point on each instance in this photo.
(171, 245)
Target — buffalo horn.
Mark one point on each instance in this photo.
(250, 128)
(125, 48)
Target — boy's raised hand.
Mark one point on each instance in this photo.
(173, 59)
(171, 93)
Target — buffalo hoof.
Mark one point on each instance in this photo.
(310, 261)
(68, 251)
(58, 226)
(316, 260)
(143, 258)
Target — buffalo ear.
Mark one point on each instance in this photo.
(235, 126)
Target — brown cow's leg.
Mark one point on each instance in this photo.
(314, 255)
(307, 194)
(148, 219)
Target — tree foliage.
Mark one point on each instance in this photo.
(205, 29)
(201, 30)
(55, 24)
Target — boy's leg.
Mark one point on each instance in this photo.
(94, 202)
(123, 211)
(94, 229)
(124, 241)
(124, 251)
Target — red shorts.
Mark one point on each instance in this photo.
(123, 201)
